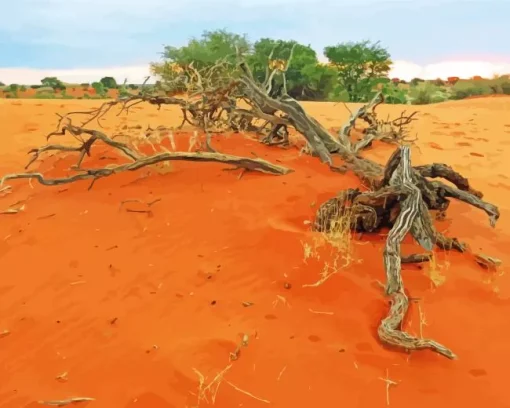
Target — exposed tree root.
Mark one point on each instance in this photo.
(401, 202)
(408, 220)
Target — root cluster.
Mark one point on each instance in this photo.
(401, 202)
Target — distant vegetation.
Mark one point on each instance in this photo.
(354, 73)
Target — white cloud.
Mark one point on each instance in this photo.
(462, 69)
(137, 73)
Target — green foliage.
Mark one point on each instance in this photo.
(416, 81)
(45, 89)
(203, 52)
(394, 94)
(426, 92)
(53, 82)
(123, 91)
(208, 50)
(338, 94)
(22, 88)
(359, 65)
(109, 83)
(467, 88)
(132, 86)
(35, 86)
(44, 95)
(306, 79)
(99, 88)
(464, 89)
(1, 83)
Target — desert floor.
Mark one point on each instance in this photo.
(125, 307)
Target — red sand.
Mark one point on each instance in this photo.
(124, 306)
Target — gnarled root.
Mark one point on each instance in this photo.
(389, 330)
(401, 201)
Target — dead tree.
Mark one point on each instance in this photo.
(399, 196)
(136, 159)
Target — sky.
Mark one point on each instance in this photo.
(84, 40)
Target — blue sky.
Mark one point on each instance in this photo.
(66, 34)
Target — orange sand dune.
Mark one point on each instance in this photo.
(123, 307)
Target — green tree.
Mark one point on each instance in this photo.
(203, 52)
(22, 88)
(99, 88)
(359, 65)
(305, 77)
(1, 83)
(13, 88)
(53, 82)
(109, 82)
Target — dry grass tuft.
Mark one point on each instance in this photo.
(339, 238)
(435, 270)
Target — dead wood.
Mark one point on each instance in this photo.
(137, 159)
(410, 219)
(401, 200)
(399, 197)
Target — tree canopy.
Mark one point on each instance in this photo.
(53, 82)
(353, 66)
(359, 66)
(109, 82)
(306, 78)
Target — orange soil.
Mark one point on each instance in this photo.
(128, 304)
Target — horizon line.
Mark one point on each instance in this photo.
(404, 70)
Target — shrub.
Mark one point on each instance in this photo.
(53, 82)
(123, 92)
(43, 89)
(464, 89)
(108, 82)
(416, 81)
(500, 85)
(394, 94)
(44, 95)
(426, 93)
(35, 86)
(99, 88)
